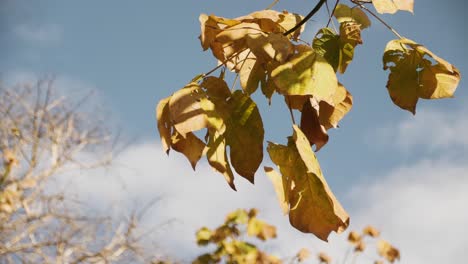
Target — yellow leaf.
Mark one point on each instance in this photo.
(387, 251)
(354, 237)
(360, 247)
(217, 158)
(273, 46)
(251, 74)
(303, 254)
(392, 6)
(324, 258)
(313, 207)
(330, 115)
(344, 13)
(260, 229)
(280, 183)
(185, 110)
(371, 231)
(191, 146)
(164, 123)
(306, 73)
(416, 72)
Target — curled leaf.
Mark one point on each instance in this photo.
(344, 13)
(416, 72)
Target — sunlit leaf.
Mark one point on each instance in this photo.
(392, 6)
(191, 146)
(203, 236)
(330, 115)
(217, 156)
(185, 110)
(306, 73)
(280, 184)
(354, 237)
(415, 72)
(387, 251)
(313, 207)
(260, 229)
(371, 231)
(324, 258)
(164, 123)
(344, 13)
(303, 254)
(251, 74)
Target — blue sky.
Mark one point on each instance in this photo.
(134, 53)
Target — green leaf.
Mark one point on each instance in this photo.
(416, 72)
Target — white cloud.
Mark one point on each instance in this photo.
(45, 34)
(429, 129)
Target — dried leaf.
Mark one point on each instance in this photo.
(282, 190)
(371, 231)
(329, 115)
(313, 207)
(216, 87)
(303, 254)
(191, 146)
(360, 247)
(387, 251)
(310, 125)
(324, 258)
(164, 123)
(415, 72)
(251, 74)
(185, 109)
(217, 157)
(354, 237)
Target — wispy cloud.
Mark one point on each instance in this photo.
(45, 34)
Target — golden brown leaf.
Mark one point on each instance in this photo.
(360, 247)
(191, 146)
(280, 184)
(216, 87)
(354, 237)
(344, 13)
(415, 72)
(387, 251)
(217, 158)
(310, 125)
(251, 74)
(324, 258)
(330, 115)
(185, 109)
(371, 231)
(164, 123)
(313, 207)
(303, 254)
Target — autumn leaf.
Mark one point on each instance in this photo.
(310, 124)
(306, 73)
(324, 258)
(217, 157)
(330, 115)
(387, 251)
(416, 72)
(203, 236)
(164, 123)
(282, 188)
(303, 254)
(260, 229)
(344, 13)
(251, 73)
(371, 231)
(191, 146)
(354, 237)
(313, 207)
(392, 6)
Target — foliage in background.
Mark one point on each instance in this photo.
(42, 136)
(264, 50)
(233, 244)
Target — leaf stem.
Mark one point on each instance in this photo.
(272, 4)
(306, 18)
(290, 111)
(378, 18)
(331, 14)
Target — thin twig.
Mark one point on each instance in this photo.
(306, 18)
(378, 18)
(272, 4)
(331, 14)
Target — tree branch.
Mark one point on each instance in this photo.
(306, 18)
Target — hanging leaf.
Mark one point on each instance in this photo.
(387, 251)
(313, 207)
(191, 146)
(185, 109)
(244, 135)
(392, 6)
(217, 157)
(415, 72)
(330, 115)
(251, 74)
(164, 123)
(344, 13)
(306, 73)
(280, 184)
(310, 124)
